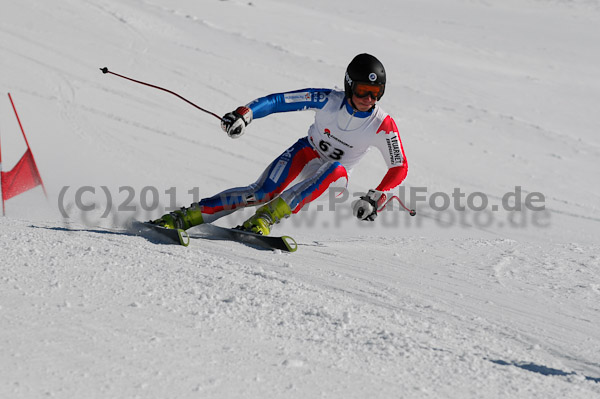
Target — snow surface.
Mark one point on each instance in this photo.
(488, 96)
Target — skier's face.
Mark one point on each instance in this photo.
(363, 104)
(365, 95)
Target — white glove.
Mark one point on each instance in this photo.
(234, 123)
(366, 207)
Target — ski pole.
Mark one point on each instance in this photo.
(105, 70)
(412, 212)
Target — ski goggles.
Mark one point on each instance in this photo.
(362, 90)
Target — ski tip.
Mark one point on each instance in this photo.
(178, 236)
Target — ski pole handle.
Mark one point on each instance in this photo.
(105, 71)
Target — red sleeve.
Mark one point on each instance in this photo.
(393, 177)
(391, 148)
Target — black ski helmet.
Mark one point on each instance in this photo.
(364, 68)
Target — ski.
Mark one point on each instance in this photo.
(172, 236)
(179, 236)
(283, 243)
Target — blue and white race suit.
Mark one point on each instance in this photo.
(339, 137)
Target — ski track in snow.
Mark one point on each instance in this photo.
(487, 97)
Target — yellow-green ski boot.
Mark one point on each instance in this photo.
(183, 218)
(266, 216)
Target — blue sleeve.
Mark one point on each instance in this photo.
(298, 100)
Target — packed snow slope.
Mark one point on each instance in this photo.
(471, 298)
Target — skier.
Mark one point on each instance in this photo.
(347, 123)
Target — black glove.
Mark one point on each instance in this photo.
(234, 123)
(366, 207)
